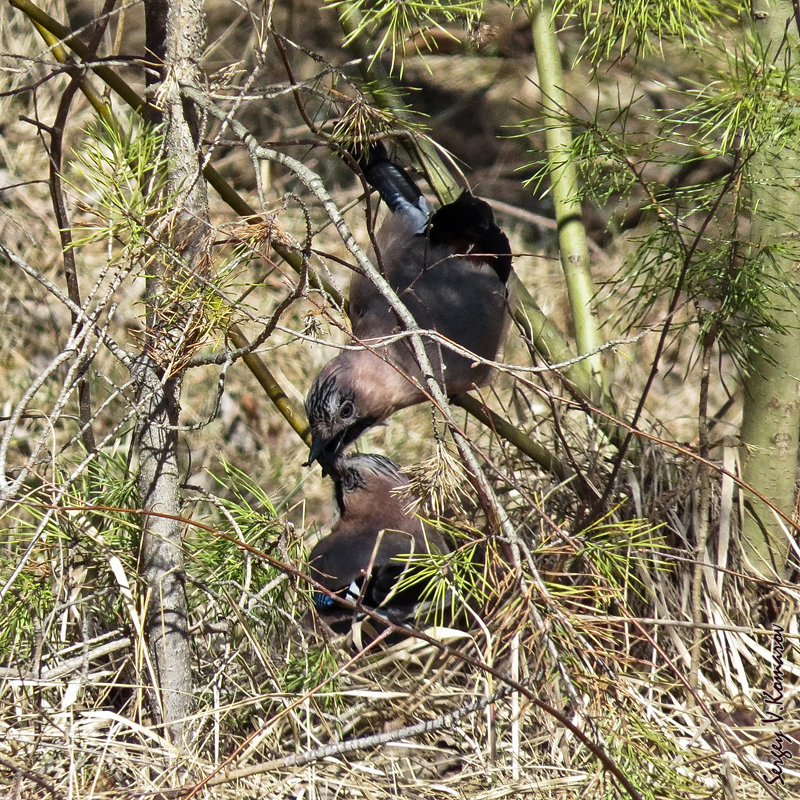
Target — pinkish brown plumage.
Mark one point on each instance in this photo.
(368, 548)
(450, 269)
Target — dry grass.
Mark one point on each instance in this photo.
(599, 624)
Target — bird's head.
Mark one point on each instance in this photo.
(363, 487)
(336, 414)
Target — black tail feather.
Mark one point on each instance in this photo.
(394, 184)
(388, 178)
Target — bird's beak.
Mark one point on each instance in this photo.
(325, 452)
(317, 449)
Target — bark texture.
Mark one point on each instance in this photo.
(769, 434)
(180, 229)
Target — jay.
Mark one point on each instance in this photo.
(450, 268)
(367, 551)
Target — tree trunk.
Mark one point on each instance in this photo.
(769, 435)
(572, 242)
(181, 226)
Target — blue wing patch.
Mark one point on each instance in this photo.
(322, 602)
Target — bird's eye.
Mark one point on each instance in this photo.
(346, 410)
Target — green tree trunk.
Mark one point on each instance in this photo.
(769, 434)
(564, 181)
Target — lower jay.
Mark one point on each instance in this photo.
(367, 551)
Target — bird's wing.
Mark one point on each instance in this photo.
(461, 298)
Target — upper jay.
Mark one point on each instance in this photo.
(367, 551)
(450, 269)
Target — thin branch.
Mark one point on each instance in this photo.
(65, 233)
(81, 314)
(688, 254)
